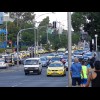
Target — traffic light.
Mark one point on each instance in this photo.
(54, 24)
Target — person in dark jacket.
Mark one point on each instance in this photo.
(94, 77)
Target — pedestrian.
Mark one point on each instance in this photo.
(94, 76)
(85, 74)
(75, 71)
(88, 65)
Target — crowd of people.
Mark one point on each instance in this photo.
(85, 73)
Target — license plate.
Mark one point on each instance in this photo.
(31, 71)
(54, 72)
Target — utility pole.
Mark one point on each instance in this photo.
(18, 48)
(6, 32)
(69, 48)
(37, 39)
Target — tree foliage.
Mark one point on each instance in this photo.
(21, 18)
(25, 20)
(90, 22)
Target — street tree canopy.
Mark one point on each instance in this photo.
(90, 22)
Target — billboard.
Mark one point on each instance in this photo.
(1, 17)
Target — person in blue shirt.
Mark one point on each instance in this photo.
(76, 71)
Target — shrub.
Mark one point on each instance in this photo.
(2, 50)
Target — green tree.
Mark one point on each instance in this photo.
(75, 38)
(22, 17)
(42, 30)
(78, 20)
(90, 22)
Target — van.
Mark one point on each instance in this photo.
(32, 65)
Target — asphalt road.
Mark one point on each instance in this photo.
(15, 77)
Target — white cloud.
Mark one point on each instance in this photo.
(56, 16)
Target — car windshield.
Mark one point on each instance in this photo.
(55, 59)
(31, 62)
(65, 57)
(85, 56)
(76, 53)
(60, 53)
(51, 54)
(56, 65)
(80, 50)
(89, 54)
(43, 59)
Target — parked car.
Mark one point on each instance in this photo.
(32, 65)
(56, 68)
(3, 64)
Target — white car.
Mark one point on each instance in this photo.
(32, 65)
(3, 64)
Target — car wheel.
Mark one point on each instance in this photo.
(65, 74)
(39, 72)
(26, 73)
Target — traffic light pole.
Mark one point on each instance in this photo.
(6, 32)
(69, 48)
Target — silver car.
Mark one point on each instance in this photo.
(44, 61)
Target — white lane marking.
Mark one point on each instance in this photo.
(16, 84)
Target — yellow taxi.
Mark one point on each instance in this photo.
(56, 68)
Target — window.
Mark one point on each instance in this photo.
(56, 65)
(31, 62)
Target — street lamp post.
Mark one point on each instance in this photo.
(18, 43)
(96, 40)
(69, 48)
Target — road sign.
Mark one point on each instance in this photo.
(92, 41)
(49, 30)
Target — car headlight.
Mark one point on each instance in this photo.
(25, 68)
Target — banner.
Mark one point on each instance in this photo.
(3, 31)
(1, 17)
